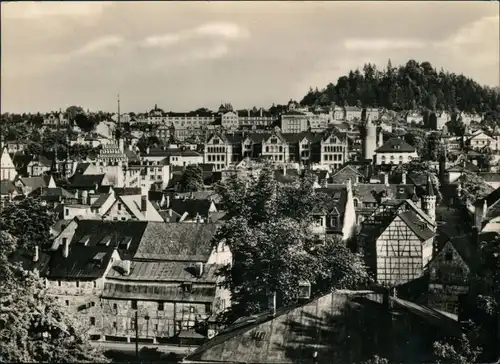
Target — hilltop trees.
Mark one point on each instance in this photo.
(410, 86)
(272, 245)
(192, 179)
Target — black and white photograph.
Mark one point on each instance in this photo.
(250, 182)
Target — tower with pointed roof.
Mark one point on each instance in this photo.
(429, 199)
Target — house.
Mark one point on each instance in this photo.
(255, 119)
(479, 140)
(274, 146)
(89, 182)
(339, 327)
(131, 207)
(54, 195)
(333, 150)
(450, 272)
(337, 216)
(218, 150)
(453, 173)
(294, 122)
(192, 210)
(7, 168)
(39, 165)
(352, 113)
(175, 156)
(414, 117)
(395, 151)
(347, 172)
(111, 272)
(8, 192)
(29, 184)
(304, 147)
(397, 239)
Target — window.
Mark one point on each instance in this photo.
(160, 306)
(132, 324)
(67, 302)
(208, 308)
(356, 202)
(191, 309)
(448, 256)
(92, 321)
(115, 325)
(119, 206)
(133, 304)
(59, 283)
(77, 284)
(66, 212)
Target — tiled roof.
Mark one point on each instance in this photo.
(52, 192)
(176, 241)
(166, 272)
(395, 145)
(82, 262)
(157, 292)
(416, 225)
(34, 182)
(86, 180)
(322, 325)
(490, 176)
(42, 160)
(101, 200)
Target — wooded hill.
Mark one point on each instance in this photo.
(407, 87)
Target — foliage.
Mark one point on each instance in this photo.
(86, 122)
(456, 127)
(33, 327)
(410, 86)
(418, 142)
(273, 247)
(425, 168)
(192, 179)
(376, 360)
(29, 220)
(82, 151)
(148, 142)
(473, 186)
(457, 351)
(73, 111)
(52, 140)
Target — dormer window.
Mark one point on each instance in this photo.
(448, 256)
(215, 141)
(274, 141)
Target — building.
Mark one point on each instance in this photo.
(229, 120)
(218, 150)
(294, 122)
(55, 119)
(395, 151)
(7, 168)
(369, 143)
(450, 272)
(274, 147)
(339, 327)
(352, 113)
(111, 272)
(334, 150)
(38, 166)
(479, 140)
(255, 119)
(397, 241)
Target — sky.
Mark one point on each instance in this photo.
(186, 55)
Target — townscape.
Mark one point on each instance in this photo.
(358, 224)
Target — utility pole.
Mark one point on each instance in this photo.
(137, 334)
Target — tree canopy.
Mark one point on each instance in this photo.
(29, 221)
(192, 179)
(273, 247)
(409, 86)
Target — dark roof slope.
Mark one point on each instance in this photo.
(395, 145)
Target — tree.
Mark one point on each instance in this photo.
(273, 247)
(33, 328)
(417, 141)
(473, 186)
(85, 122)
(30, 221)
(435, 147)
(73, 111)
(192, 179)
(457, 351)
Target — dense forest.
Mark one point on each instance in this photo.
(411, 86)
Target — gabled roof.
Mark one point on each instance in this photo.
(34, 182)
(322, 325)
(416, 225)
(8, 187)
(87, 180)
(395, 145)
(51, 193)
(42, 160)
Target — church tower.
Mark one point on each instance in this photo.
(369, 140)
(429, 200)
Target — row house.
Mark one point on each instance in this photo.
(122, 277)
(146, 174)
(294, 122)
(229, 120)
(16, 146)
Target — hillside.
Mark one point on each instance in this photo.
(411, 86)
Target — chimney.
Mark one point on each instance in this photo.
(148, 150)
(65, 247)
(403, 178)
(121, 145)
(144, 203)
(248, 112)
(284, 170)
(85, 197)
(271, 303)
(130, 147)
(261, 112)
(36, 254)
(199, 269)
(167, 202)
(380, 141)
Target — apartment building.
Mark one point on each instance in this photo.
(218, 150)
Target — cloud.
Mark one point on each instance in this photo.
(98, 45)
(37, 10)
(478, 31)
(359, 44)
(223, 30)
